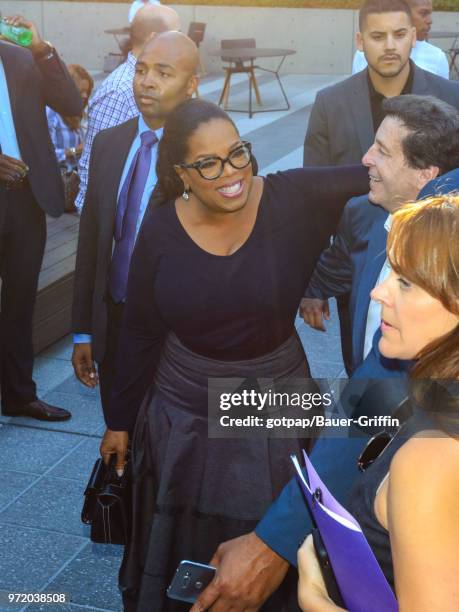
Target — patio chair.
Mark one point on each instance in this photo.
(196, 31)
(238, 66)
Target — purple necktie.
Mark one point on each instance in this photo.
(127, 214)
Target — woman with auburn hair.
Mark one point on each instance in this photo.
(407, 500)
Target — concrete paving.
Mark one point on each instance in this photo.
(43, 545)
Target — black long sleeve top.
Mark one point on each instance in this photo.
(231, 307)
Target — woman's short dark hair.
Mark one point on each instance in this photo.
(433, 126)
(173, 147)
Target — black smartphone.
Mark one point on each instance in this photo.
(327, 570)
(190, 580)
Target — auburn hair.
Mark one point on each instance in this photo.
(423, 247)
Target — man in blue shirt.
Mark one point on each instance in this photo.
(121, 187)
(30, 186)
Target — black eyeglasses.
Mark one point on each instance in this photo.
(375, 447)
(211, 168)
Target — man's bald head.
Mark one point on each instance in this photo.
(152, 19)
(165, 76)
(177, 47)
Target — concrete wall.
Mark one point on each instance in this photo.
(323, 38)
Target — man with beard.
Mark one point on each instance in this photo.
(346, 116)
(424, 54)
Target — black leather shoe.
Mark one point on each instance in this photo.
(38, 410)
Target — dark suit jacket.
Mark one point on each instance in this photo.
(446, 183)
(95, 242)
(340, 129)
(32, 86)
(352, 264)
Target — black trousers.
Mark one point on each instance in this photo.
(22, 243)
(344, 314)
(107, 368)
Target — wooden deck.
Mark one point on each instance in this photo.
(52, 318)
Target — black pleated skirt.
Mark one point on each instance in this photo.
(190, 493)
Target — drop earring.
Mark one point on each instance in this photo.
(186, 194)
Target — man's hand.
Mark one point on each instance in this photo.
(12, 169)
(19, 21)
(115, 442)
(314, 312)
(83, 364)
(248, 572)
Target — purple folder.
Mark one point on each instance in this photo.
(362, 584)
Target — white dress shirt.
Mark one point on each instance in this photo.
(374, 310)
(8, 139)
(426, 56)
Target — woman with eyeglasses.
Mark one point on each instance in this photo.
(215, 282)
(407, 501)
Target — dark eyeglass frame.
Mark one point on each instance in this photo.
(197, 165)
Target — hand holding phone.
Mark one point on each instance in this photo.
(326, 568)
(190, 580)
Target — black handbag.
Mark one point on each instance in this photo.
(107, 503)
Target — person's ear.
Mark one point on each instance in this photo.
(415, 37)
(192, 85)
(426, 175)
(359, 41)
(182, 174)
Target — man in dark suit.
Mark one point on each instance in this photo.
(418, 139)
(346, 116)
(356, 258)
(30, 186)
(165, 76)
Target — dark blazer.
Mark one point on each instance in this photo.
(32, 86)
(340, 129)
(352, 264)
(95, 242)
(446, 183)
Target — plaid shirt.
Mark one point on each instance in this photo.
(63, 138)
(112, 104)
